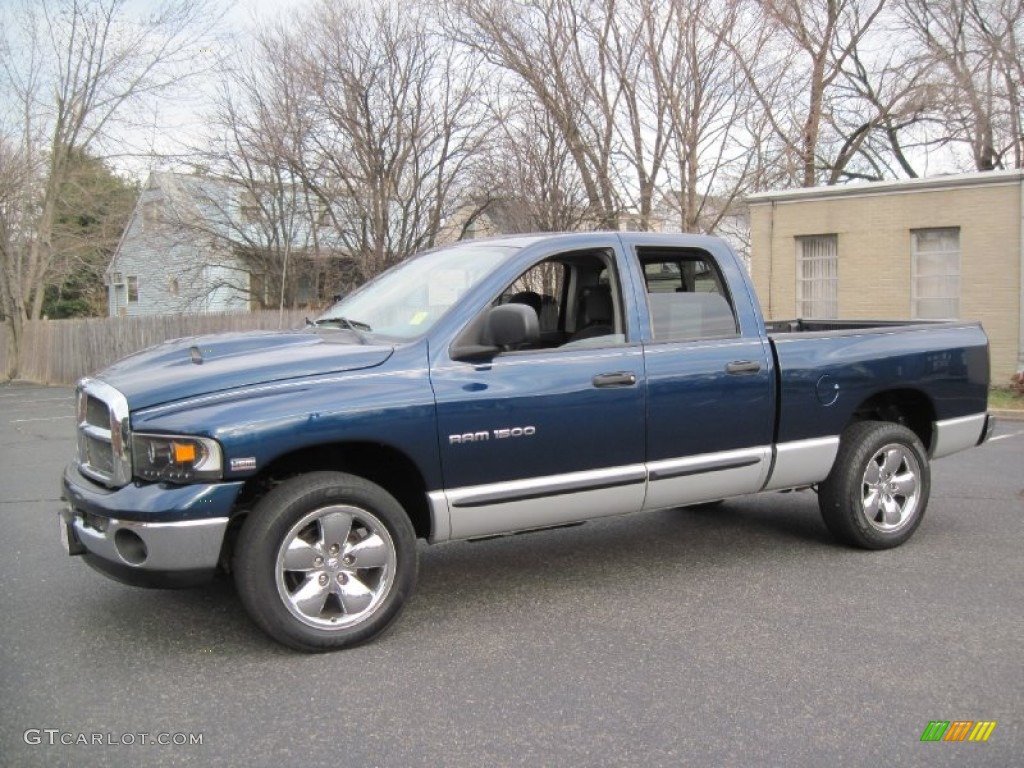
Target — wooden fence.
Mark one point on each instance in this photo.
(62, 351)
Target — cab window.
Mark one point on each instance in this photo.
(576, 296)
(686, 296)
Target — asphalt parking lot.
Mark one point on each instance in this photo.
(739, 636)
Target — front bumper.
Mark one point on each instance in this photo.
(147, 534)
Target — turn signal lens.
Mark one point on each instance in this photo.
(184, 453)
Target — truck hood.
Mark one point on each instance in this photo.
(199, 365)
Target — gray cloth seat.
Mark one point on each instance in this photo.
(691, 316)
(596, 313)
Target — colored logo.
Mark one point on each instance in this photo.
(958, 730)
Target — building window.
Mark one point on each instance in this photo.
(935, 274)
(249, 206)
(152, 215)
(817, 277)
(133, 290)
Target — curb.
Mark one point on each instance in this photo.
(1005, 414)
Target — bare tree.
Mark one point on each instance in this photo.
(15, 174)
(974, 51)
(585, 63)
(528, 181)
(74, 67)
(880, 115)
(648, 99)
(706, 99)
(793, 53)
(398, 125)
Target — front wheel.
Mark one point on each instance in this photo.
(325, 561)
(877, 491)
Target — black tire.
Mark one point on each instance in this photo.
(877, 492)
(704, 506)
(325, 535)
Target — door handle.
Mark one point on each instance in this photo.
(617, 379)
(741, 367)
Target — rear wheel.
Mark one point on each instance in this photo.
(325, 561)
(877, 492)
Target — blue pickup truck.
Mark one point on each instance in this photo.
(493, 387)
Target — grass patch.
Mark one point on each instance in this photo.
(1005, 399)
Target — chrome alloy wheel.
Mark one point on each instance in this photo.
(335, 566)
(890, 488)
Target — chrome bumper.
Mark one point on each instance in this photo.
(145, 533)
(953, 435)
(188, 545)
(990, 426)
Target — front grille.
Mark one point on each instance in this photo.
(96, 412)
(103, 437)
(99, 455)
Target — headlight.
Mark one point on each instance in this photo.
(176, 458)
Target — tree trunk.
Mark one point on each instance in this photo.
(13, 331)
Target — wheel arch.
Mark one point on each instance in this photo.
(381, 464)
(910, 407)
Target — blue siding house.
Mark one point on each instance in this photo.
(199, 244)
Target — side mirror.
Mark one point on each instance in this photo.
(506, 326)
(512, 325)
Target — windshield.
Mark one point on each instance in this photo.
(407, 300)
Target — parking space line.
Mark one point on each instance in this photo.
(34, 403)
(22, 393)
(44, 418)
(1005, 437)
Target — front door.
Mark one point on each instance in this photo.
(554, 434)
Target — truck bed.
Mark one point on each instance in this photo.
(831, 370)
(831, 326)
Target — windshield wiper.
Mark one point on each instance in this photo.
(355, 326)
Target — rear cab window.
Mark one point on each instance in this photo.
(687, 297)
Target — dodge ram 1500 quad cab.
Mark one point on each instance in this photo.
(493, 387)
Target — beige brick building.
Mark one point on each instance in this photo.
(949, 247)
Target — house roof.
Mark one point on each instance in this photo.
(204, 201)
(902, 186)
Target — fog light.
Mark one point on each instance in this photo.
(130, 547)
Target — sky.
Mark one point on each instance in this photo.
(165, 125)
(182, 121)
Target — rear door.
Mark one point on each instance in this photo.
(710, 400)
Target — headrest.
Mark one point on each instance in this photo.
(597, 304)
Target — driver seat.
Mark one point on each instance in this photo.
(596, 312)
